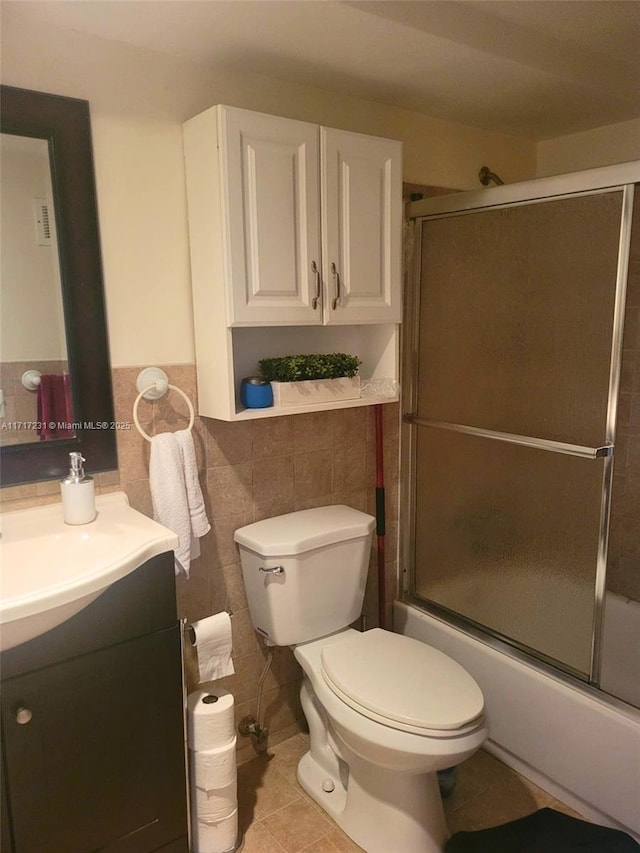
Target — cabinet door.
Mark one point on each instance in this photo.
(361, 227)
(271, 196)
(99, 764)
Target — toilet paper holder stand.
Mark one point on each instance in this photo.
(190, 631)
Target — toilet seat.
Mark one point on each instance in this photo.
(402, 683)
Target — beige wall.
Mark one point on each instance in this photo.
(604, 146)
(139, 100)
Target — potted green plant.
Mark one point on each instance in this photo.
(299, 380)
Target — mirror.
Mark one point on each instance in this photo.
(54, 361)
(35, 346)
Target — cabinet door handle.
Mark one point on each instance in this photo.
(23, 716)
(336, 278)
(316, 272)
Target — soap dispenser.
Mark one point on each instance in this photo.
(78, 493)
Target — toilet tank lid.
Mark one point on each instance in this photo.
(297, 532)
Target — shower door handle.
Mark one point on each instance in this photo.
(512, 438)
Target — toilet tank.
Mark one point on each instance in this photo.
(305, 572)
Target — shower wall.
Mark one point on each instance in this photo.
(623, 574)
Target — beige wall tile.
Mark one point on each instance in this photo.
(26, 407)
(312, 473)
(230, 489)
(349, 468)
(273, 481)
(273, 437)
(133, 456)
(14, 493)
(228, 443)
(285, 669)
(270, 510)
(193, 594)
(311, 432)
(28, 503)
(218, 546)
(349, 427)
(139, 495)
(227, 589)
(356, 499)
(244, 636)
(125, 393)
(48, 487)
(311, 502)
(282, 707)
(108, 478)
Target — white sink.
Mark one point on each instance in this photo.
(51, 570)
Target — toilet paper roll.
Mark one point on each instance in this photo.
(214, 805)
(213, 645)
(213, 768)
(210, 719)
(219, 837)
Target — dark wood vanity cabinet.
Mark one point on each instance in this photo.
(92, 727)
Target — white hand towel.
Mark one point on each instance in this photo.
(169, 496)
(199, 521)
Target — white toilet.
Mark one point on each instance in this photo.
(385, 712)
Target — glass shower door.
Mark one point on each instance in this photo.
(513, 419)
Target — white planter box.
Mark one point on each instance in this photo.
(315, 391)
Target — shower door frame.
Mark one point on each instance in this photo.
(595, 181)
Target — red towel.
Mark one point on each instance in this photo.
(55, 411)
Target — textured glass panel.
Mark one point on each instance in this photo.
(508, 536)
(517, 316)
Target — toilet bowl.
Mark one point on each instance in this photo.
(385, 712)
(376, 777)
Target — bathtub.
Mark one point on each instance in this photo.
(621, 649)
(573, 741)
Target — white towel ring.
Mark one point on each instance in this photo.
(152, 384)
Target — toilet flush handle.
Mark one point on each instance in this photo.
(272, 570)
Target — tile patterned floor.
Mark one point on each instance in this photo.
(277, 816)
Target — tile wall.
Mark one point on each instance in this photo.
(249, 471)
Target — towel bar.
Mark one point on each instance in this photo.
(153, 383)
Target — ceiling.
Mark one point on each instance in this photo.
(534, 68)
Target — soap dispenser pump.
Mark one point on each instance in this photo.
(78, 493)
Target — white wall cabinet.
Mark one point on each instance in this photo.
(270, 214)
(361, 203)
(293, 226)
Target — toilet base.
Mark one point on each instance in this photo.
(381, 810)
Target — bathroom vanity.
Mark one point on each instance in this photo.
(92, 726)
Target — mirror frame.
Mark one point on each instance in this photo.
(65, 124)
